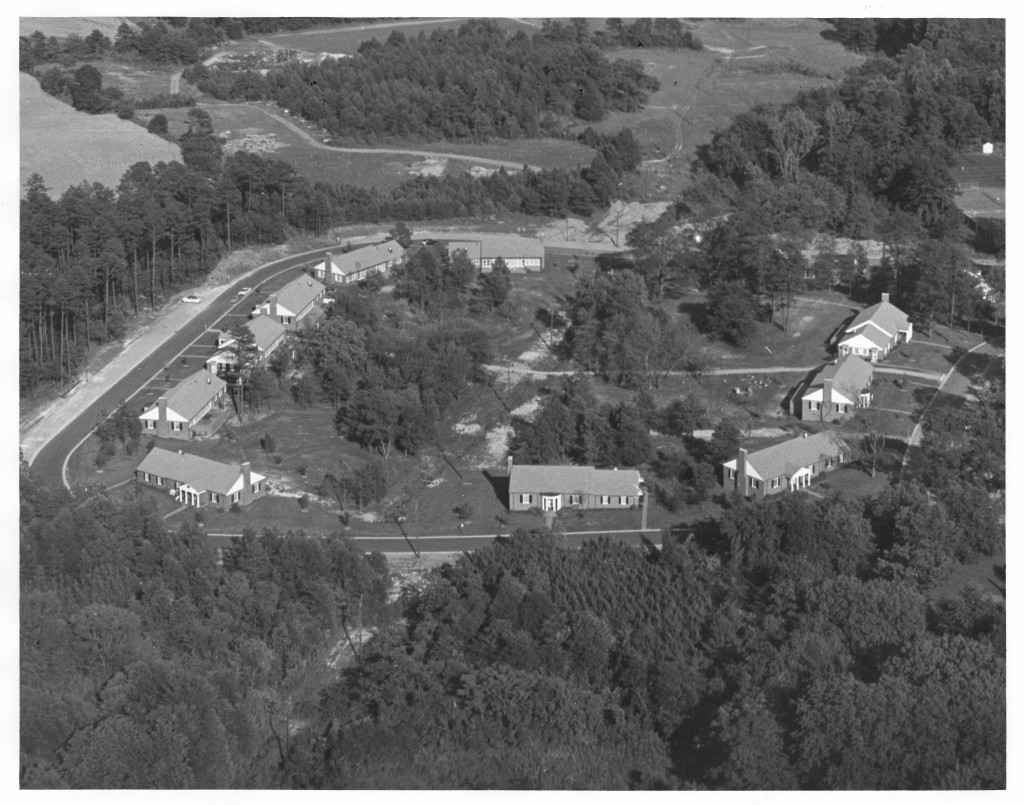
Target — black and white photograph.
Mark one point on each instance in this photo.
(561, 402)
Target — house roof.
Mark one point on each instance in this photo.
(265, 331)
(361, 259)
(569, 479)
(299, 293)
(788, 457)
(849, 376)
(884, 315)
(192, 394)
(869, 333)
(488, 247)
(203, 474)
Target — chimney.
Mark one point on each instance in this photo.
(885, 297)
(741, 471)
(510, 465)
(272, 304)
(161, 405)
(826, 399)
(328, 269)
(247, 473)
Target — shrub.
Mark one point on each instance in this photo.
(464, 511)
(200, 516)
(301, 469)
(235, 507)
(267, 443)
(304, 502)
(278, 459)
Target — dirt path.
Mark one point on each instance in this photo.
(313, 141)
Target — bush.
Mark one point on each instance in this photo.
(236, 507)
(464, 511)
(304, 502)
(278, 459)
(301, 470)
(267, 442)
(200, 516)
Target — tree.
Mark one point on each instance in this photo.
(157, 124)
(731, 313)
(494, 287)
(401, 233)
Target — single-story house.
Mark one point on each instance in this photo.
(360, 263)
(197, 481)
(837, 390)
(876, 330)
(550, 488)
(520, 254)
(177, 412)
(268, 334)
(293, 302)
(789, 465)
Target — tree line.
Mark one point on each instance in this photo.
(476, 84)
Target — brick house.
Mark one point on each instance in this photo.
(789, 465)
(267, 333)
(293, 302)
(176, 413)
(360, 263)
(876, 330)
(551, 488)
(836, 391)
(197, 481)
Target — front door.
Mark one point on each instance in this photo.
(550, 503)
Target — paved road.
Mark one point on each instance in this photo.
(48, 462)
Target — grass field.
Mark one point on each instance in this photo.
(68, 147)
(63, 26)
(134, 81)
(347, 39)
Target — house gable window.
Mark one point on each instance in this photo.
(256, 487)
(150, 424)
(775, 483)
(732, 475)
(176, 426)
(214, 497)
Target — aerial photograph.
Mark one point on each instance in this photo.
(559, 404)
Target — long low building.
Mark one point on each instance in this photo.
(176, 413)
(197, 481)
(789, 465)
(267, 335)
(520, 254)
(360, 263)
(551, 488)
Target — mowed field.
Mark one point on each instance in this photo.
(68, 147)
(64, 26)
(347, 39)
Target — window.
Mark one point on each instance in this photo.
(575, 500)
(150, 424)
(526, 498)
(214, 497)
(732, 475)
(815, 406)
(606, 500)
(256, 487)
(176, 426)
(159, 481)
(755, 483)
(775, 483)
(235, 496)
(145, 477)
(623, 501)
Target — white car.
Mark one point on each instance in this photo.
(244, 291)
(192, 299)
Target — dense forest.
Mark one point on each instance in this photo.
(474, 84)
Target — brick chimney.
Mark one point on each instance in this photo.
(885, 297)
(826, 399)
(163, 427)
(509, 465)
(246, 496)
(741, 471)
(272, 304)
(328, 269)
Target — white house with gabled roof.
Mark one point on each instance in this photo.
(876, 330)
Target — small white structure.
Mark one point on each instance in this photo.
(986, 148)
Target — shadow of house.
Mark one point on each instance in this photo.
(499, 483)
(795, 393)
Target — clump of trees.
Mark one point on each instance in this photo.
(476, 83)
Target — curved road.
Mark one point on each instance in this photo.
(48, 463)
(313, 141)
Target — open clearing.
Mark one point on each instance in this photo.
(68, 147)
(64, 26)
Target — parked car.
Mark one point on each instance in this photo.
(245, 291)
(192, 299)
